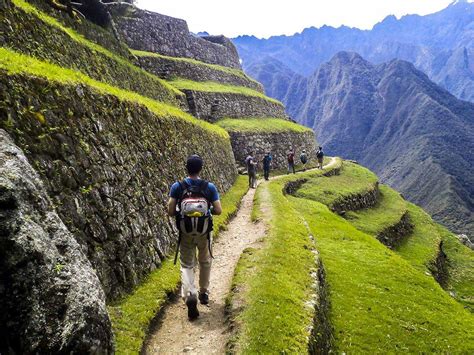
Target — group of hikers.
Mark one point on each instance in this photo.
(192, 202)
(251, 164)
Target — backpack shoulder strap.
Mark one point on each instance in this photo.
(184, 187)
(203, 188)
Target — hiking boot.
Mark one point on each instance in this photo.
(191, 303)
(204, 297)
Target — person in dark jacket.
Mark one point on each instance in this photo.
(267, 160)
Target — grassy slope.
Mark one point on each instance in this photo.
(15, 63)
(421, 247)
(389, 210)
(277, 280)
(380, 303)
(211, 86)
(354, 179)
(221, 68)
(132, 315)
(28, 8)
(261, 125)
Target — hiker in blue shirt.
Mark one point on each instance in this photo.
(191, 202)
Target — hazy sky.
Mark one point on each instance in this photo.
(264, 18)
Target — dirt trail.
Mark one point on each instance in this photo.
(209, 333)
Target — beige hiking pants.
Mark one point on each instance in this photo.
(187, 250)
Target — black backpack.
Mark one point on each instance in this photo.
(193, 217)
(320, 154)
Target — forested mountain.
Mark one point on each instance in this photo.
(440, 44)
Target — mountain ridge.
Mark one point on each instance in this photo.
(397, 122)
(440, 44)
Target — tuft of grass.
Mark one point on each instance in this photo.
(30, 9)
(211, 86)
(387, 212)
(261, 125)
(16, 63)
(132, 315)
(354, 179)
(221, 68)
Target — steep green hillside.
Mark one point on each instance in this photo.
(38, 34)
(379, 300)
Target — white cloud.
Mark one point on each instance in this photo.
(265, 18)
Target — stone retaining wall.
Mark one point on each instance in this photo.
(277, 143)
(211, 106)
(107, 165)
(153, 32)
(392, 236)
(356, 202)
(168, 68)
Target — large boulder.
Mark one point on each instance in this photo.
(51, 300)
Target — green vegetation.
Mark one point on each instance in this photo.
(15, 63)
(421, 248)
(387, 212)
(230, 203)
(81, 40)
(380, 303)
(132, 315)
(460, 268)
(328, 190)
(211, 86)
(261, 125)
(221, 68)
(278, 282)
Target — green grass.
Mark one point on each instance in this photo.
(460, 268)
(30, 9)
(230, 203)
(379, 302)
(16, 63)
(421, 248)
(211, 86)
(387, 212)
(132, 315)
(221, 68)
(277, 281)
(354, 179)
(261, 125)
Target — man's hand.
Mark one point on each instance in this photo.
(216, 208)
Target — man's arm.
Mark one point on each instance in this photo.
(216, 207)
(172, 207)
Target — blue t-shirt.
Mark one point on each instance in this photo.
(176, 191)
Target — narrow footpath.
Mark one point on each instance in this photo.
(209, 333)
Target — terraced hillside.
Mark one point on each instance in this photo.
(91, 136)
(379, 276)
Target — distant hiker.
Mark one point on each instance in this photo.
(304, 159)
(267, 160)
(291, 161)
(320, 156)
(251, 164)
(191, 202)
